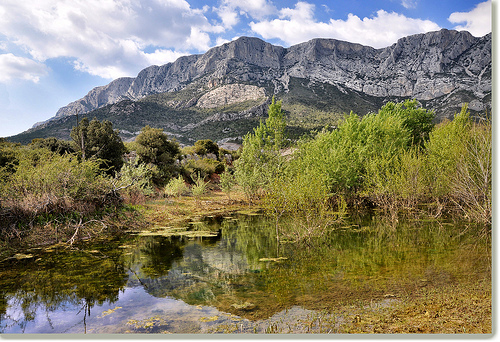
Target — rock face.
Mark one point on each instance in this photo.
(229, 94)
(436, 67)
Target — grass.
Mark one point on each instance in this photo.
(180, 210)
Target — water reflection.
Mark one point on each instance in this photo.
(193, 284)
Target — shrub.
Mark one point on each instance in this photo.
(260, 158)
(176, 187)
(46, 183)
(444, 151)
(205, 167)
(203, 147)
(347, 157)
(471, 184)
(227, 182)
(199, 187)
(136, 181)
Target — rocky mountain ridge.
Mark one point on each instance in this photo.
(428, 66)
(222, 94)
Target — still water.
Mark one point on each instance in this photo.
(229, 274)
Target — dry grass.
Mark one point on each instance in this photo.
(168, 211)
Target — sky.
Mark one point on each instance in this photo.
(53, 52)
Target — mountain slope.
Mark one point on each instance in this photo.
(317, 80)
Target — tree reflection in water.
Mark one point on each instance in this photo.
(236, 272)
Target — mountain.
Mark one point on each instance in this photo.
(221, 94)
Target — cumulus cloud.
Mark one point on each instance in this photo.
(231, 10)
(15, 67)
(296, 25)
(477, 21)
(108, 38)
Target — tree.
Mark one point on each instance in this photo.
(260, 158)
(154, 147)
(98, 140)
(418, 121)
(53, 144)
(202, 147)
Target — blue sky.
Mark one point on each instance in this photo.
(53, 52)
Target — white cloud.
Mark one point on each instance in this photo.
(107, 37)
(478, 20)
(409, 3)
(15, 67)
(221, 41)
(296, 25)
(230, 10)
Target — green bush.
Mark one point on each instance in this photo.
(136, 181)
(154, 147)
(205, 167)
(97, 140)
(458, 166)
(260, 160)
(203, 147)
(48, 183)
(471, 188)
(199, 187)
(227, 182)
(176, 187)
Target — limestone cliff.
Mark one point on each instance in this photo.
(439, 68)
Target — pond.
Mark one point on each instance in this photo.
(230, 275)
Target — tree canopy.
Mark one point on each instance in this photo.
(98, 140)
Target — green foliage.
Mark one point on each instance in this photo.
(227, 182)
(445, 149)
(417, 121)
(154, 147)
(205, 167)
(176, 187)
(452, 169)
(275, 125)
(136, 180)
(471, 187)
(52, 144)
(203, 147)
(97, 140)
(344, 158)
(8, 160)
(199, 187)
(305, 200)
(260, 158)
(401, 186)
(47, 184)
(459, 167)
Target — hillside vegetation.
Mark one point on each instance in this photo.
(395, 160)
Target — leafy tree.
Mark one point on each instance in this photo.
(98, 140)
(417, 121)
(206, 146)
(53, 144)
(275, 125)
(260, 158)
(154, 147)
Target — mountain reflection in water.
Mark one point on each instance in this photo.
(238, 281)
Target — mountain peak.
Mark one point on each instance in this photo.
(423, 66)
